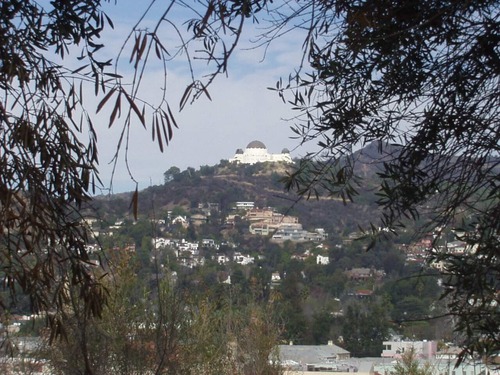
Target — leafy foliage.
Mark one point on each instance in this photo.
(409, 365)
(421, 79)
(472, 282)
(48, 143)
(47, 171)
(163, 328)
(365, 328)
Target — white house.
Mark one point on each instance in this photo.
(323, 260)
(161, 242)
(222, 258)
(395, 349)
(208, 242)
(182, 220)
(243, 259)
(244, 205)
(189, 246)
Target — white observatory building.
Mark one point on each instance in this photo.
(256, 152)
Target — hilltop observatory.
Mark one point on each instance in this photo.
(256, 152)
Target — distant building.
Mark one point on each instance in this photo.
(221, 258)
(256, 152)
(361, 274)
(266, 221)
(208, 242)
(313, 358)
(243, 259)
(244, 205)
(294, 232)
(208, 207)
(160, 242)
(362, 293)
(198, 219)
(269, 216)
(182, 220)
(441, 366)
(261, 229)
(323, 260)
(395, 349)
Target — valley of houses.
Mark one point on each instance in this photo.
(317, 359)
(263, 222)
(296, 359)
(266, 222)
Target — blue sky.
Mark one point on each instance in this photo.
(242, 108)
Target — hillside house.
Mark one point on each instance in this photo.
(198, 219)
(456, 247)
(208, 242)
(415, 254)
(160, 242)
(315, 358)
(192, 247)
(221, 258)
(396, 348)
(269, 216)
(90, 221)
(321, 232)
(426, 241)
(244, 205)
(261, 229)
(230, 220)
(362, 293)
(362, 274)
(192, 262)
(442, 367)
(266, 221)
(314, 236)
(302, 257)
(209, 207)
(182, 220)
(322, 260)
(294, 232)
(92, 248)
(243, 259)
(275, 277)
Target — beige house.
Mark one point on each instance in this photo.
(198, 219)
(269, 216)
(265, 221)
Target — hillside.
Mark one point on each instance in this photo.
(259, 183)
(191, 234)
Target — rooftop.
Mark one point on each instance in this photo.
(256, 144)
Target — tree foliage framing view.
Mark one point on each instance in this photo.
(419, 77)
